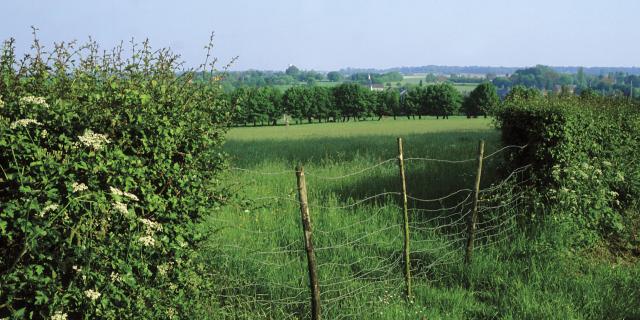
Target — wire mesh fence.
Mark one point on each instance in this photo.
(358, 244)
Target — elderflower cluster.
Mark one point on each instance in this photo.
(150, 226)
(34, 100)
(59, 316)
(117, 192)
(93, 140)
(24, 123)
(120, 207)
(51, 207)
(79, 187)
(147, 241)
(171, 313)
(92, 294)
(115, 277)
(164, 268)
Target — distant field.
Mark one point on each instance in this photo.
(386, 127)
(464, 88)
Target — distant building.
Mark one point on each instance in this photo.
(376, 87)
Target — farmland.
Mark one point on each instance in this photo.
(256, 243)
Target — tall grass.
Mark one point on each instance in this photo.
(256, 242)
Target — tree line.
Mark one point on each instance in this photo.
(351, 101)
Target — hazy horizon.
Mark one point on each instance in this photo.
(333, 35)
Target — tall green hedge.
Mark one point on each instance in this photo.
(106, 165)
(585, 157)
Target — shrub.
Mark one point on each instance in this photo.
(584, 155)
(107, 163)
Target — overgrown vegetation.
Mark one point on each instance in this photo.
(584, 152)
(108, 161)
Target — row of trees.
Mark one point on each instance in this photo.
(546, 78)
(347, 101)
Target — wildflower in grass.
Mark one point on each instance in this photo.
(51, 207)
(24, 123)
(79, 187)
(44, 134)
(147, 241)
(59, 316)
(31, 100)
(613, 193)
(76, 269)
(120, 207)
(93, 140)
(92, 294)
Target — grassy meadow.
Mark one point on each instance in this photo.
(518, 273)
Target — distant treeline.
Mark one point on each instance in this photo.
(351, 101)
(546, 78)
(596, 71)
(293, 76)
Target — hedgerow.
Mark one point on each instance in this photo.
(107, 164)
(584, 153)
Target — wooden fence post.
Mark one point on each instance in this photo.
(473, 219)
(405, 211)
(308, 244)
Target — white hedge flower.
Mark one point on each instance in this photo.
(79, 187)
(93, 140)
(1, 102)
(51, 207)
(92, 294)
(34, 100)
(118, 192)
(120, 207)
(115, 277)
(24, 123)
(147, 241)
(151, 226)
(59, 316)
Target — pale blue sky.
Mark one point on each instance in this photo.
(333, 34)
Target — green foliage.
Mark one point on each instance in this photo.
(481, 100)
(334, 76)
(107, 164)
(583, 152)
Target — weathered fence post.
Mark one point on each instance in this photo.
(405, 211)
(473, 219)
(308, 244)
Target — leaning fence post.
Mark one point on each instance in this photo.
(473, 219)
(308, 244)
(405, 211)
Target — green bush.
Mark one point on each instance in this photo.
(107, 163)
(584, 153)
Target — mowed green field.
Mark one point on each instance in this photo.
(256, 245)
